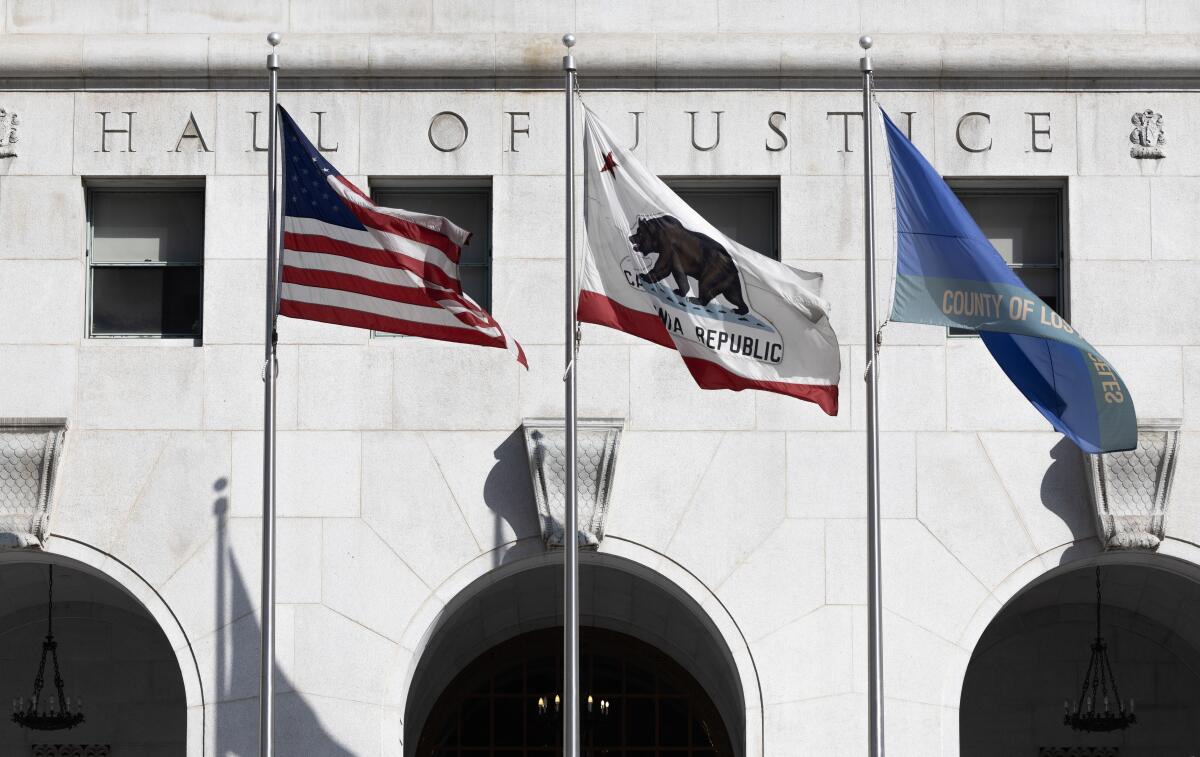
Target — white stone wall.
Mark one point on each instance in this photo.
(366, 16)
(397, 486)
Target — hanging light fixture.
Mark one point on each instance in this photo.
(1095, 710)
(59, 712)
(551, 706)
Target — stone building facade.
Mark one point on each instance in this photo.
(734, 544)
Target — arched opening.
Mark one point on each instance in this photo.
(637, 700)
(1036, 651)
(636, 624)
(111, 652)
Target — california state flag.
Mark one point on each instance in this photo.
(655, 269)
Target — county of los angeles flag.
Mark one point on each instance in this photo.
(949, 274)
(656, 269)
(349, 261)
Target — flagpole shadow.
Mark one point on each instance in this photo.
(298, 729)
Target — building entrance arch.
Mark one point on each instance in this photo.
(119, 648)
(629, 613)
(1035, 653)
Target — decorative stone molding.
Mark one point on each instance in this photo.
(597, 441)
(1131, 490)
(1147, 136)
(30, 449)
(8, 133)
(705, 54)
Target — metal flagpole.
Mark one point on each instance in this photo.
(874, 589)
(266, 667)
(570, 527)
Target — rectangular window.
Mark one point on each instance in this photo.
(745, 210)
(145, 261)
(1026, 223)
(468, 203)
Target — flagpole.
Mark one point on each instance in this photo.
(570, 526)
(266, 681)
(874, 556)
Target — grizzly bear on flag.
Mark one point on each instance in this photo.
(683, 253)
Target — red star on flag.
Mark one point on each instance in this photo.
(609, 163)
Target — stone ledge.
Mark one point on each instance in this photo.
(641, 56)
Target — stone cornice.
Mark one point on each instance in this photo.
(724, 58)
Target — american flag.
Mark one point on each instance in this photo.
(351, 262)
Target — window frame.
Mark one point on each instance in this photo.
(446, 185)
(1016, 186)
(131, 185)
(725, 184)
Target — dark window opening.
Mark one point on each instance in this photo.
(146, 261)
(745, 210)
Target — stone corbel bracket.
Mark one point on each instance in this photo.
(597, 442)
(30, 449)
(1131, 490)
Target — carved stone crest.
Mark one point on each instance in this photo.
(1131, 490)
(30, 449)
(8, 133)
(597, 443)
(1147, 136)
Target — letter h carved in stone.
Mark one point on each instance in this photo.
(105, 130)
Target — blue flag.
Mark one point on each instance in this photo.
(948, 274)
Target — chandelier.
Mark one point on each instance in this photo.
(59, 712)
(1094, 710)
(592, 706)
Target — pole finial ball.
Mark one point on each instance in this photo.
(865, 42)
(569, 40)
(274, 38)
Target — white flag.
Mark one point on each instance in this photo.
(655, 269)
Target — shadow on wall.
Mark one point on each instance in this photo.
(1064, 493)
(508, 493)
(234, 718)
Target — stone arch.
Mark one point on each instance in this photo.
(1175, 558)
(640, 565)
(82, 557)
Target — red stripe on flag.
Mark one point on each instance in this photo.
(346, 282)
(598, 309)
(364, 320)
(709, 375)
(401, 227)
(372, 255)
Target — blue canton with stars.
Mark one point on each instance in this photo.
(306, 193)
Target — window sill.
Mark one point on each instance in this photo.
(144, 341)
